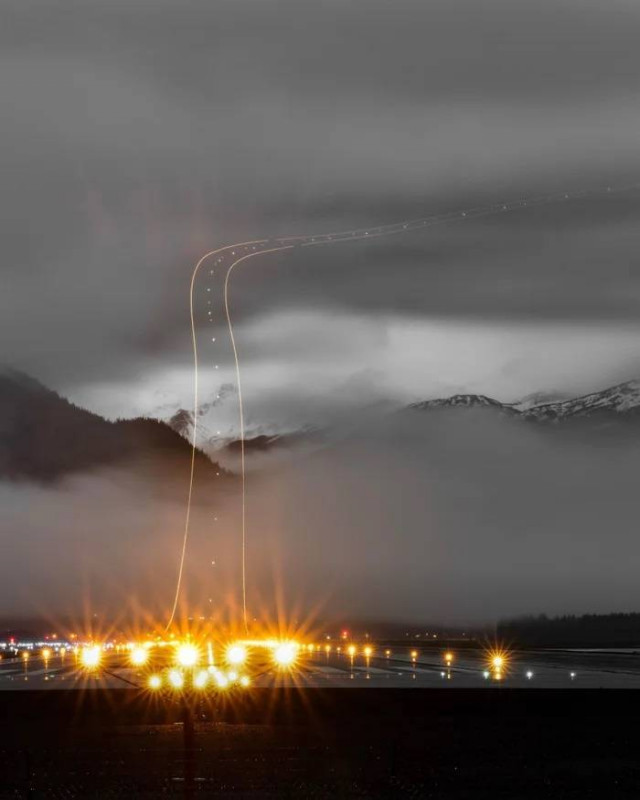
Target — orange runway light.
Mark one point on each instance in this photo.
(91, 657)
(285, 654)
(176, 679)
(187, 655)
(155, 682)
(139, 656)
(201, 679)
(236, 654)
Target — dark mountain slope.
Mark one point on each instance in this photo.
(44, 437)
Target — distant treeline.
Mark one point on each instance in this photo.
(589, 630)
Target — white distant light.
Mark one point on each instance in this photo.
(529, 674)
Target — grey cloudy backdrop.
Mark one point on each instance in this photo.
(137, 135)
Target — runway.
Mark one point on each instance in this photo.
(469, 669)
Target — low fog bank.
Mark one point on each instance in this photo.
(106, 546)
(454, 516)
(444, 516)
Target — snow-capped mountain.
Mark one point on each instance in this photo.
(617, 402)
(621, 399)
(539, 399)
(463, 401)
(216, 420)
(217, 423)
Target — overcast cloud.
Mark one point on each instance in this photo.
(137, 135)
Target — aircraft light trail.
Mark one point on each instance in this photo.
(282, 243)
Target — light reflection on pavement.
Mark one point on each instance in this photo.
(551, 669)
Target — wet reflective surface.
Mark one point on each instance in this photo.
(469, 668)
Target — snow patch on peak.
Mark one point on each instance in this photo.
(538, 399)
(622, 398)
(461, 401)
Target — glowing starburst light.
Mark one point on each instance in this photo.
(187, 655)
(139, 656)
(176, 679)
(201, 679)
(285, 654)
(237, 654)
(91, 657)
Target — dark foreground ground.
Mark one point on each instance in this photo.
(323, 743)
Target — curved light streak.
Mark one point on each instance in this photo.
(309, 240)
(241, 418)
(194, 344)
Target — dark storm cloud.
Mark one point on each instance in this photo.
(135, 136)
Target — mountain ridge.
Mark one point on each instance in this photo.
(44, 437)
(622, 399)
